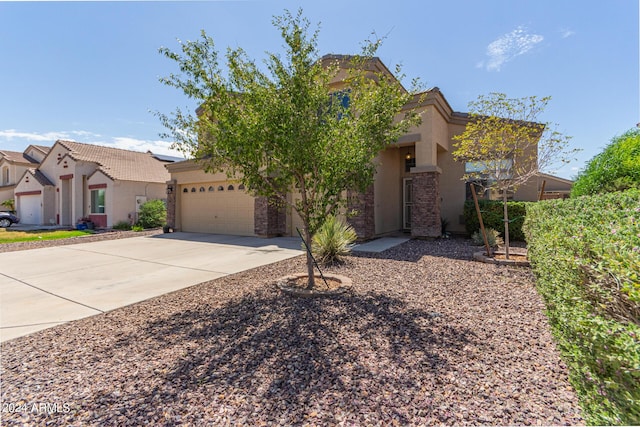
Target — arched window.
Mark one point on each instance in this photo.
(220, 188)
(193, 189)
(230, 188)
(211, 188)
(201, 189)
(186, 190)
(241, 187)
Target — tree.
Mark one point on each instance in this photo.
(617, 168)
(504, 145)
(10, 204)
(289, 128)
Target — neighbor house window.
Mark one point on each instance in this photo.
(5, 175)
(97, 201)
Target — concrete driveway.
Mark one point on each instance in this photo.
(41, 288)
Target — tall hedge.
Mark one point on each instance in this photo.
(493, 217)
(585, 253)
(616, 168)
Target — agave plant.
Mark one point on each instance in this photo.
(333, 241)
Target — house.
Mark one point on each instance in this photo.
(418, 186)
(13, 165)
(76, 180)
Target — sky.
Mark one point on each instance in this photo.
(89, 71)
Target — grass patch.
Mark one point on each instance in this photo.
(9, 236)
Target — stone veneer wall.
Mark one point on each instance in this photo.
(269, 219)
(364, 221)
(425, 216)
(171, 203)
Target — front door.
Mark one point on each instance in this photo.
(407, 202)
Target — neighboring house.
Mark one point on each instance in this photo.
(77, 180)
(417, 185)
(13, 165)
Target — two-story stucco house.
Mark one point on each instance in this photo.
(76, 180)
(417, 186)
(13, 165)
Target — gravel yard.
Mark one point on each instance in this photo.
(426, 336)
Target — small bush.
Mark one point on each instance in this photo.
(122, 225)
(153, 214)
(332, 241)
(585, 253)
(493, 217)
(137, 228)
(493, 238)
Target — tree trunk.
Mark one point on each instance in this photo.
(307, 237)
(506, 224)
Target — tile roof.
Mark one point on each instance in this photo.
(119, 164)
(40, 177)
(17, 157)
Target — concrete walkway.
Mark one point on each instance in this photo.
(41, 288)
(381, 244)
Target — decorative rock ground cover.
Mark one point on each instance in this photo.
(424, 336)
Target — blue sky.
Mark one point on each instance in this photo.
(89, 71)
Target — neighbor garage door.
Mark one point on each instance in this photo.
(30, 211)
(216, 207)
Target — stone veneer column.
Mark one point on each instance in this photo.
(425, 213)
(364, 221)
(269, 218)
(172, 198)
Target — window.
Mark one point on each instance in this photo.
(220, 188)
(5, 175)
(490, 169)
(230, 188)
(201, 189)
(241, 187)
(211, 188)
(186, 190)
(97, 201)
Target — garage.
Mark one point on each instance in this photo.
(221, 207)
(30, 208)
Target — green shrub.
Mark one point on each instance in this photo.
(122, 225)
(617, 168)
(153, 214)
(332, 241)
(585, 253)
(493, 217)
(137, 228)
(493, 238)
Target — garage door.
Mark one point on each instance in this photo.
(29, 210)
(216, 207)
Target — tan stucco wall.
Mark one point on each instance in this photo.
(388, 190)
(120, 197)
(15, 172)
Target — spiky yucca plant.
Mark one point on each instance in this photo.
(333, 241)
(493, 238)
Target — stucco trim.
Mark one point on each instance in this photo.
(29, 193)
(425, 168)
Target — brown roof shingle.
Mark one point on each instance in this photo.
(119, 164)
(17, 157)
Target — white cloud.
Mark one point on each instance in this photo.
(23, 139)
(565, 32)
(508, 46)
